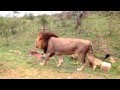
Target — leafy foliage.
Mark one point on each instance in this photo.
(102, 28)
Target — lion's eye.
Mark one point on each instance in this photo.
(40, 38)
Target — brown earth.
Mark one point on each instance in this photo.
(31, 73)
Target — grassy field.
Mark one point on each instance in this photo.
(22, 65)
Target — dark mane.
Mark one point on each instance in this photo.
(46, 36)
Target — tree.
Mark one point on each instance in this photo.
(5, 27)
(13, 23)
(29, 16)
(39, 21)
(78, 15)
(44, 22)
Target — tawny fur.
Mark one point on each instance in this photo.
(54, 45)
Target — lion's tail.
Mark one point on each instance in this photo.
(90, 52)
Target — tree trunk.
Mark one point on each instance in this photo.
(44, 28)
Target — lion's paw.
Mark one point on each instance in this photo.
(41, 64)
(79, 69)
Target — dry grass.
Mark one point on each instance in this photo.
(23, 72)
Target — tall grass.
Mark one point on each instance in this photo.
(95, 28)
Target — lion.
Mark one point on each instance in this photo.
(54, 45)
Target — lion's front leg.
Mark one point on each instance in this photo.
(46, 59)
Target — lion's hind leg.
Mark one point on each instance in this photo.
(83, 62)
(94, 62)
(60, 61)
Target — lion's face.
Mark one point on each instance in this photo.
(42, 40)
(39, 42)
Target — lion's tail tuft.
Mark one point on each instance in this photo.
(107, 55)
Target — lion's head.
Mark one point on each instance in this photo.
(42, 40)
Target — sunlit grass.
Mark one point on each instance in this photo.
(13, 65)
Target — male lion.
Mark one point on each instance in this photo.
(54, 45)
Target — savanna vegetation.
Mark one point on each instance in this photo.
(18, 34)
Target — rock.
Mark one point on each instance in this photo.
(105, 66)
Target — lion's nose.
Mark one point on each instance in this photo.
(35, 45)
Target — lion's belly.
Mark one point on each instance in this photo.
(64, 49)
(64, 52)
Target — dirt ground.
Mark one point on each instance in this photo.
(22, 73)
